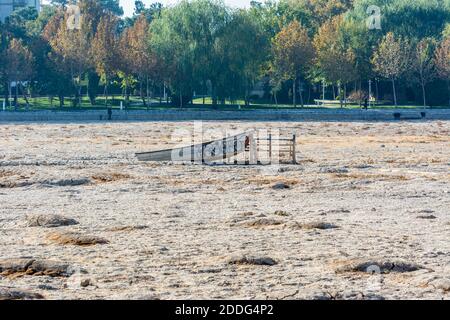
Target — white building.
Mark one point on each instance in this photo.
(8, 6)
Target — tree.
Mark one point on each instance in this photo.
(442, 61)
(70, 50)
(240, 55)
(335, 60)
(104, 50)
(423, 67)
(392, 59)
(416, 19)
(189, 57)
(137, 57)
(293, 53)
(18, 66)
(312, 13)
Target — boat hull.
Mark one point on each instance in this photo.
(205, 152)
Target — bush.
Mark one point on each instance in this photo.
(358, 95)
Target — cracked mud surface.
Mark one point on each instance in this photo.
(365, 197)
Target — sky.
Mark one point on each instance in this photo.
(128, 5)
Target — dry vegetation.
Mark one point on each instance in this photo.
(363, 196)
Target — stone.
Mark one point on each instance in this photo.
(427, 217)
(49, 221)
(379, 267)
(85, 283)
(281, 186)
(14, 294)
(314, 225)
(245, 260)
(67, 182)
(334, 170)
(127, 228)
(26, 266)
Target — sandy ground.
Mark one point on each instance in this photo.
(366, 214)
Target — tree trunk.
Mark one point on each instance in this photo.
(181, 100)
(341, 102)
(360, 91)
(424, 95)
(301, 94)
(377, 91)
(105, 93)
(127, 94)
(394, 91)
(345, 95)
(448, 85)
(309, 95)
(10, 93)
(149, 96)
(16, 96)
(80, 93)
(25, 96)
(142, 93)
(205, 92)
(294, 93)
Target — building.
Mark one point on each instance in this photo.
(8, 6)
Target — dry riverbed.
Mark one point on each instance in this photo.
(364, 215)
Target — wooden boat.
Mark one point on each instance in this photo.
(205, 152)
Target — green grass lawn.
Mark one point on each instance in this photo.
(44, 103)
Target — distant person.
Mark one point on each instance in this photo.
(366, 104)
(109, 113)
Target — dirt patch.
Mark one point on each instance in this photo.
(6, 173)
(263, 223)
(273, 180)
(22, 267)
(72, 238)
(110, 177)
(314, 225)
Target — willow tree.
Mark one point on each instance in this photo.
(392, 59)
(293, 53)
(184, 38)
(240, 52)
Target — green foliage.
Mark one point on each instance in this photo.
(206, 47)
(412, 19)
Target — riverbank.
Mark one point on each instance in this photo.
(218, 115)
